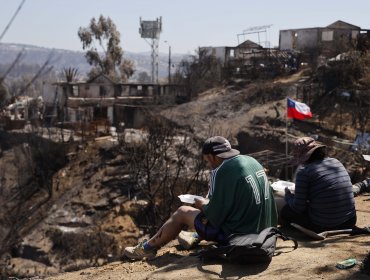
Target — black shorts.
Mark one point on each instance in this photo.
(206, 231)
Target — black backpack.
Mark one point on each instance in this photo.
(247, 248)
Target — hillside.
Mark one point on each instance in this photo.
(59, 58)
(257, 111)
(92, 210)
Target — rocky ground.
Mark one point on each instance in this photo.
(312, 260)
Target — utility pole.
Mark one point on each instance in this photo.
(169, 61)
(169, 64)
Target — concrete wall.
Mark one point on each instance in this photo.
(299, 39)
(48, 93)
(110, 114)
(218, 52)
(84, 114)
(96, 90)
(133, 117)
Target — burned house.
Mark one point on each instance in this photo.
(251, 60)
(329, 41)
(233, 55)
(103, 101)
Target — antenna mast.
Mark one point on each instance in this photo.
(151, 30)
(257, 30)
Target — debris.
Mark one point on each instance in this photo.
(348, 263)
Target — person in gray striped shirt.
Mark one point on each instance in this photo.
(323, 198)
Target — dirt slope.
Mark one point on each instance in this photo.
(312, 260)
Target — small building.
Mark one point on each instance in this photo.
(244, 51)
(329, 41)
(227, 55)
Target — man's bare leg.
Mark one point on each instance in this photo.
(184, 216)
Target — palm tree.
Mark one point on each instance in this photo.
(70, 74)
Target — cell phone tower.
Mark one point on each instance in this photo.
(151, 29)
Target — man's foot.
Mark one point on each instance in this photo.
(138, 252)
(361, 187)
(356, 188)
(188, 239)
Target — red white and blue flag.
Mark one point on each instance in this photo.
(298, 110)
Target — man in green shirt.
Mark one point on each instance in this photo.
(240, 200)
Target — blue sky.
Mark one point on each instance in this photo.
(187, 24)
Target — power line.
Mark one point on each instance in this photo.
(12, 19)
(19, 55)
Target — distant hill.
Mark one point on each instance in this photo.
(34, 55)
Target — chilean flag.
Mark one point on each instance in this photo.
(298, 110)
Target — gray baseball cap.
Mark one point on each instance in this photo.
(219, 146)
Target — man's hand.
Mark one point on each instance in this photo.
(288, 194)
(287, 191)
(200, 202)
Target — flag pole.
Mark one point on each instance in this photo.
(286, 129)
(286, 140)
